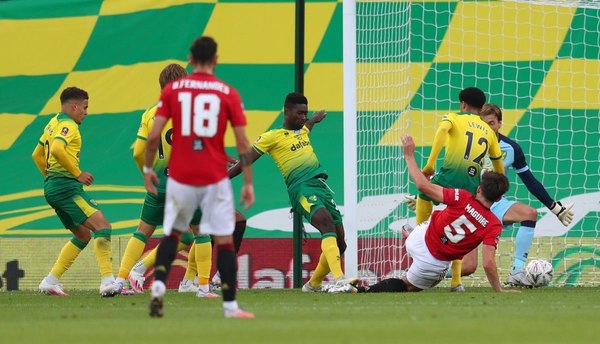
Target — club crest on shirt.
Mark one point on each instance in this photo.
(197, 145)
(471, 171)
(312, 198)
(64, 131)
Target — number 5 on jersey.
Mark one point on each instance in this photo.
(459, 231)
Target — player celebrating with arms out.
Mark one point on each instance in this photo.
(510, 212)
(200, 106)
(449, 234)
(309, 194)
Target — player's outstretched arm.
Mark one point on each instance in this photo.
(435, 192)
(491, 270)
(316, 117)
(245, 152)
(39, 158)
(236, 169)
(565, 214)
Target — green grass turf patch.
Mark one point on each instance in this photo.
(546, 315)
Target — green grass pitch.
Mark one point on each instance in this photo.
(545, 315)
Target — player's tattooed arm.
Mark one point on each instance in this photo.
(247, 154)
(246, 159)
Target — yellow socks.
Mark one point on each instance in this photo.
(456, 270)
(203, 258)
(191, 270)
(133, 252)
(150, 258)
(424, 209)
(103, 251)
(67, 256)
(320, 272)
(331, 252)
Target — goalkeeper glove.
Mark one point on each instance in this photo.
(564, 214)
(411, 202)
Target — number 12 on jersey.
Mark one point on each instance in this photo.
(199, 114)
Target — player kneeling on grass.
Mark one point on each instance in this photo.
(449, 234)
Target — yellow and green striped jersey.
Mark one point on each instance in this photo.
(161, 162)
(64, 128)
(292, 152)
(469, 140)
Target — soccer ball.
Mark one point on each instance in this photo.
(539, 272)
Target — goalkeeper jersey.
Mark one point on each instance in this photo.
(515, 158)
(64, 128)
(293, 154)
(512, 154)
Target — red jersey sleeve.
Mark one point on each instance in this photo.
(164, 106)
(454, 196)
(238, 118)
(493, 235)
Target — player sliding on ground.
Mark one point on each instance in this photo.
(448, 234)
(305, 178)
(510, 212)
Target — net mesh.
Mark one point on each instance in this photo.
(538, 60)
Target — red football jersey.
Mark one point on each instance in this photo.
(200, 105)
(461, 226)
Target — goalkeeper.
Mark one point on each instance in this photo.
(510, 212)
(468, 140)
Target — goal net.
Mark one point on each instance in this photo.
(538, 60)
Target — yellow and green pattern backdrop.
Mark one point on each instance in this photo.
(115, 50)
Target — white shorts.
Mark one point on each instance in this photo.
(426, 271)
(214, 200)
